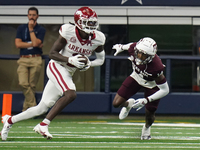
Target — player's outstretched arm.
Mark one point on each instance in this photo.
(120, 48)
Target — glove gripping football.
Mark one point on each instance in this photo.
(77, 61)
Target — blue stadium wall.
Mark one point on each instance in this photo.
(101, 103)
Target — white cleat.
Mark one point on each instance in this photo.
(146, 133)
(125, 110)
(43, 130)
(6, 127)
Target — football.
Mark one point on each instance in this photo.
(85, 60)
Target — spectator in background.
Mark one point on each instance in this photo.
(148, 74)
(29, 40)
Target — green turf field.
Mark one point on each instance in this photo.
(106, 133)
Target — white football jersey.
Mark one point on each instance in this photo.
(76, 45)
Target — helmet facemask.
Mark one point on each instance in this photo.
(87, 25)
(139, 61)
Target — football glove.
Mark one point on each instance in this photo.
(75, 60)
(87, 66)
(139, 103)
(118, 48)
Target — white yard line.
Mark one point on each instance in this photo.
(140, 124)
(111, 147)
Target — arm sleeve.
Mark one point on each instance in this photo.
(100, 57)
(163, 91)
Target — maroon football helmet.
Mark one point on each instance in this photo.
(86, 19)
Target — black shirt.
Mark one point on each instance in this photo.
(24, 35)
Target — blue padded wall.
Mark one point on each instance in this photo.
(92, 102)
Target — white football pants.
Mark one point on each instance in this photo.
(59, 80)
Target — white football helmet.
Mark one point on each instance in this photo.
(86, 19)
(146, 46)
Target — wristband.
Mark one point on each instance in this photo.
(147, 99)
(31, 31)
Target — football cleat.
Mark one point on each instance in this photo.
(43, 130)
(146, 133)
(125, 110)
(6, 127)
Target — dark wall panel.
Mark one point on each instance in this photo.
(104, 2)
(101, 103)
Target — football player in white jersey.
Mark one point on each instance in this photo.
(75, 40)
(148, 74)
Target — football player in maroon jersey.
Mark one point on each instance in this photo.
(148, 74)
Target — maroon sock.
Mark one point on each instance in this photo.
(10, 121)
(43, 124)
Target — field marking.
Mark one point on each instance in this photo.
(154, 124)
(128, 143)
(77, 134)
(110, 147)
(57, 136)
(121, 147)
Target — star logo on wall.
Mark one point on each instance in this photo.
(124, 1)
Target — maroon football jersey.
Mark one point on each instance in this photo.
(145, 72)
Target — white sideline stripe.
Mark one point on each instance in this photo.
(121, 147)
(119, 143)
(112, 132)
(116, 137)
(155, 124)
(151, 147)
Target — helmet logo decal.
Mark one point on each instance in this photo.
(79, 12)
(155, 48)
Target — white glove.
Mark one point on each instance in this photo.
(139, 103)
(86, 67)
(118, 48)
(75, 60)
